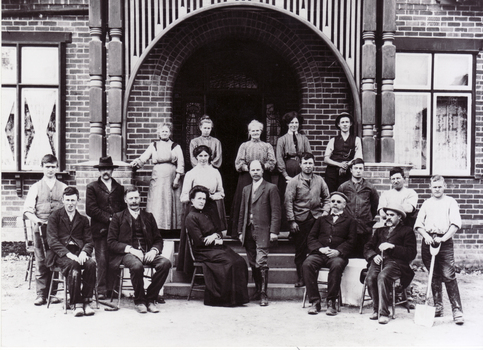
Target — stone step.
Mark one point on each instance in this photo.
(275, 291)
(274, 259)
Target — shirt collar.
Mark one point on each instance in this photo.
(134, 214)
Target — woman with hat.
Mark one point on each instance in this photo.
(340, 152)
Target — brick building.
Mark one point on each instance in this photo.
(84, 78)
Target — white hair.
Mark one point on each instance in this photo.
(255, 123)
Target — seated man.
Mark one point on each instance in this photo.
(389, 252)
(70, 241)
(330, 241)
(134, 240)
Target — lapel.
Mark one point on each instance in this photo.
(65, 221)
(259, 192)
(76, 221)
(394, 232)
(127, 217)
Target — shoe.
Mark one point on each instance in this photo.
(141, 308)
(331, 310)
(54, 300)
(88, 311)
(161, 300)
(458, 317)
(263, 299)
(101, 296)
(40, 300)
(314, 308)
(78, 310)
(152, 307)
(383, 319)
(299, 283)
(263, 292)
(374, 316)
(438, 312)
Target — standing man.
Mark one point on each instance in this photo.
(43, 198)
(389, 253)
(362, 204)
(340, 152)
(437, 222)
(401, 195)
(70, 241)
(306, 199)
(330, 242)
(258, 225)
(134, 241)
(104, 198)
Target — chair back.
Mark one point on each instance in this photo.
(190, 245)
(28, 234)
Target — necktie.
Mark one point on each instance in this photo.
(295, 142)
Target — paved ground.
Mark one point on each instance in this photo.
(191, 324)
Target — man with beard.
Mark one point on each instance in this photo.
(330, 242)
(306, 199)
(389, 253)
(362, 204)
(104, 198)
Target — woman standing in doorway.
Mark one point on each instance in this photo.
(164, 192)
(206, 126)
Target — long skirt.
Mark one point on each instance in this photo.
(163, 201)
(226, 276)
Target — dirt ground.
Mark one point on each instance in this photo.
(191, 324)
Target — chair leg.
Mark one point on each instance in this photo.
(119, 291)
(405, 296)
(65, 294)
(363, 298)
(50, 287)
(305, 297)
(192, 282)
(393, 300)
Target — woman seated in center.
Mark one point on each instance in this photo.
(225, 272)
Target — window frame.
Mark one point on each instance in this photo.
(38, 39)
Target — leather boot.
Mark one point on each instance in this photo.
(455, 300)
(331, 310)
(263, 293)
(437, 289)
(257, 278)
(300, 278)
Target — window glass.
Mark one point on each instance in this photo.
(9, 129)
(413, 71)
(411, 130)
(452, 71)
(40, 65)
(9, 65)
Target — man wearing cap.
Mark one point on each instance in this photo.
(389, 253)
(399, 193)
(362, 204)
(340, 152)
(104, 198)
(330, 242)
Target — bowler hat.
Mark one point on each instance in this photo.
(340, 194)
(397, 208)
(105, 162)
(343, 115)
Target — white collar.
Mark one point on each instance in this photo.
(134, 214)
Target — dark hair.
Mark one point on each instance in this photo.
(201, 148)
(357, 161)
(306, 156)
(263, 166)
(201, 189)
(130, 188)
(396, 170)
(48, 158)
(288, 117)
(70, 190)
(343, 115)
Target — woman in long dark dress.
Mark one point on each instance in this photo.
(225, 272)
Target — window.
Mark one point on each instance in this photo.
(433, 122)
(31, 110)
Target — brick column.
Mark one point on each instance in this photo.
(368, 76)
(96, 72)
(114, 72)
(387, 76)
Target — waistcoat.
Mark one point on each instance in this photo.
(48, 199)
(344, 150)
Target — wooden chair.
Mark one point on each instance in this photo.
(123, 279)
(30, 248)
(324, 283)
(197, 272)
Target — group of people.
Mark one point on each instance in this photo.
(329, 220)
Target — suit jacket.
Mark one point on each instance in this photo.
(341, 235)
(403, 253)
(59, 234)
(102, 204)
(120, 235)
(266, 212)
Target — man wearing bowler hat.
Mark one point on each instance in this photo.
(389, 253)
(104, 198)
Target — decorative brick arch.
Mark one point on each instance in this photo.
(322, 83)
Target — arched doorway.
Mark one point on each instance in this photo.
(234, 81)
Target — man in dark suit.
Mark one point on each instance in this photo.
(258, 225)
(104, 198)
(134, 241)
(70, 242)
(389, 252)
(330, 242)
